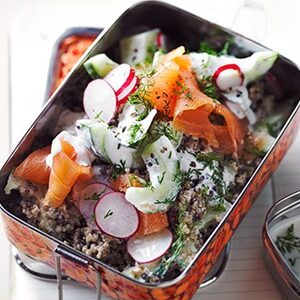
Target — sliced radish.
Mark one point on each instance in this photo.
(99, 100)
(228, 76)
(122, 97)
(120, 77)
(115, 216)
(159, 40)
(150, 247)
(89, 197)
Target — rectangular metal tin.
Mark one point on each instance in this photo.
(186, 29)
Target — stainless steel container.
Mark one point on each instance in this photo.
(280, 216)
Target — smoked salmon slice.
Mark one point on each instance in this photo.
(124, 181)
(34, 167)
(150, 223)
(193, 112)
(163, 86)
(64, 173)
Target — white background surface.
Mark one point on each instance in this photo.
(34, 25)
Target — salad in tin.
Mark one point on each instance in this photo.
(164, 144)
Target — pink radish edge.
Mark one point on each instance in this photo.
(228, 67)
(122, 97)
(127, 82)
(157, 257)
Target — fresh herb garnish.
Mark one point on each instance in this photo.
(161, 128)
(207, 48)
(118, 169)
(176, 248)
(208, 87)
(108, 214)
(134, 129)
(161, 178)
(252, 149)
(139, 96)
(98, 116)
(95, 196)
(289, 241)
(167, 201)
(208, 158)
(182, 89)
(150, 53)
(292, 261)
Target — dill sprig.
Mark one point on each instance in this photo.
(208, 158)
(95, 196)
(289, 241)
(118, 169)
(182, 89)
(176, 247)
(134, 129)
(161, 128)
(208, 87)
(108, 214)
(252, 149)
(144, 73)
(207, 48)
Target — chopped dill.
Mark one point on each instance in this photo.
(289, 241)
(208, 158)
(95, 196)
(134, 129)
(161, 128)
(108, 214)
(118, 169)
(98, 116)
(255, 151)
(208, 87)
(139, 96)
(207, 48)
(161, 178)
(183, 90)
(176, 247)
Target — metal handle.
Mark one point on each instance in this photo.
(60, 251)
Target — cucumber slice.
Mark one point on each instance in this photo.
(131, 130)
(99, 65)
(135, 49)
(104, 143)
(163, 166)
(252, 67)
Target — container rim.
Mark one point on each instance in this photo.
(271, 215)
(245, 188)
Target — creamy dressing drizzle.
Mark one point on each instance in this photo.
(83, 157)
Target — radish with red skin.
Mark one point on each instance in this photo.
(89, 197)
(224, 82)
(122, 97)
(159, 39)
(115, 216)
(120, 77)
(151, 247)
(99, 100)
(123, 81)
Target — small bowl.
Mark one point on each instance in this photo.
(281, 215)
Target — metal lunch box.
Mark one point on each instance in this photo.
(59, 49)
(281, 215)
(186, 29)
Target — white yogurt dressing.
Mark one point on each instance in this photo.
(189, 162)
(280, 229)
(83, 157)
(129, 119)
